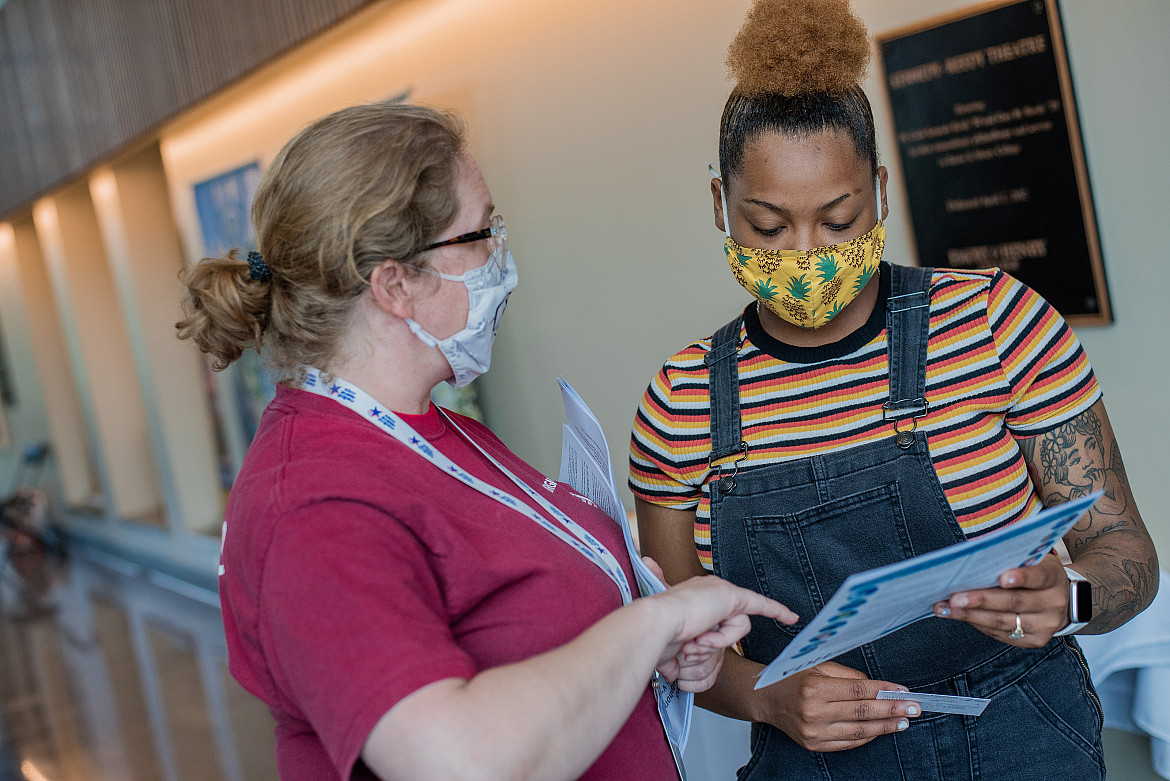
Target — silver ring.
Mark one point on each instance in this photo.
(1018, 632)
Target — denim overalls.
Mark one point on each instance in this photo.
(794, 531)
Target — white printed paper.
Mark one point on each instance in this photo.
(939, 703)
(585, 465)
(586, 477)
(873, 604)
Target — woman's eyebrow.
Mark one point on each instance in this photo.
(766, 205)
(782, 210)
(834, 202)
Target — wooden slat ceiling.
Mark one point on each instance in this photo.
(82, 79)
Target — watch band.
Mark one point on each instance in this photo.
(1080, 602)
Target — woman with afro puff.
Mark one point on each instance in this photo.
(860, 412)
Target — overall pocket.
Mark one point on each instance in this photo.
(801, 558)
(1043, 725)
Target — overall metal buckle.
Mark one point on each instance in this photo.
(726, 483)
(904, 438)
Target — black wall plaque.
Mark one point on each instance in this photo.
(987, 132)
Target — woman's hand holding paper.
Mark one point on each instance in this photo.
(1037, 596)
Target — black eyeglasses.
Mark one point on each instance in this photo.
(494, 231)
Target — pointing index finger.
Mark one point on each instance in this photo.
(759, 605)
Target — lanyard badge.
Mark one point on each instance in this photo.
(565, 529)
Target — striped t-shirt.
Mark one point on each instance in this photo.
(1000, 361)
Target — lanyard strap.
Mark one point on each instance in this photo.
(568, 530)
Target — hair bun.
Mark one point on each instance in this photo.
(794, 47)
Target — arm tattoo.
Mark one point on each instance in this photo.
(1074, 460)
(1028, 448)
(1124, 583)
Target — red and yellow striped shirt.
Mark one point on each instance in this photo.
(1001, 363)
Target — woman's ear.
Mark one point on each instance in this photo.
(883, 178)
(716, 190)
(394, 287)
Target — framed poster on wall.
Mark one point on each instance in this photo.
(990, 146)
(224, 205)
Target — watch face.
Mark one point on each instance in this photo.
(1082, 603)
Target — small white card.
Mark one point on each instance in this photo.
(939, 703)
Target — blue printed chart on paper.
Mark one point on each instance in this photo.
(873, 604)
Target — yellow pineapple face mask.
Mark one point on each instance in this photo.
(808, 287)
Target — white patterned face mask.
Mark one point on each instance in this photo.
(469, 352)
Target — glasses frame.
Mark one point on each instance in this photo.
(494, 230)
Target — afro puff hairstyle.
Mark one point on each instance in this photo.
(798, 66)
(794, 47)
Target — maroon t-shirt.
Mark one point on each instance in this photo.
(356, 572)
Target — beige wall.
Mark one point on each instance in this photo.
(594, 123)
(48, 405)
(141, 241)
(100, 351)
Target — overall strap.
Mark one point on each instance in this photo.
(723, 383)
(907, 333)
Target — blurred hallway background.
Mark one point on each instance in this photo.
(114, 674)
(132, 135)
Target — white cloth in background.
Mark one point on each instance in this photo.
(717, 746)
(1131, 671)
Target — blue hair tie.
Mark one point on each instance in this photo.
(257, 269)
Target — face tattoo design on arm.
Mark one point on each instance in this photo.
(1075, 459)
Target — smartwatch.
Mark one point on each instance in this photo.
(1080, 602)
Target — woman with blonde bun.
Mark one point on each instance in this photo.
(410, 599)
(861, 412)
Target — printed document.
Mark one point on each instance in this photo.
(873, 604)
(585, 465)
